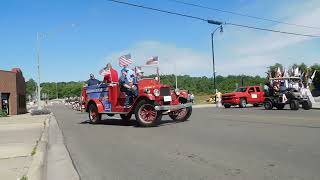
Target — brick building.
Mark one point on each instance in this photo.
(12, 92)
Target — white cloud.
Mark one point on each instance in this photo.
(172, 59)
(181, 60)
(276, 41)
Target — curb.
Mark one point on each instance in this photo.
(196, 106)
(59, 164)
(37, 167)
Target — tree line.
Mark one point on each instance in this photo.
(197, 85)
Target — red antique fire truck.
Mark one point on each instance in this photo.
(154, 100)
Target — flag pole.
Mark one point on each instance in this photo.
(158, 65)
(175, 70)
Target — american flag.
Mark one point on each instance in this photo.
(125, 60)
(104, 72)
(153, 61)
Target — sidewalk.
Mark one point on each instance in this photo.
(316, 105)
(19, 136)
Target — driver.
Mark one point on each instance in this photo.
(92, 81)
(126, 85)
(138, 76)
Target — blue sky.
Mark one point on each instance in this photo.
(82, 36)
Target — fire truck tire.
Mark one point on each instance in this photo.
(94, 115)
(146, 115)
(183, 114)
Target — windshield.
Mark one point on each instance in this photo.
(147, 71)
(241, 89)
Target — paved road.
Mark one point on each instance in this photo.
(215, 144)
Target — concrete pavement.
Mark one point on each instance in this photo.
(19, 136)
(216, 143)
(316, 105)
(59, 164)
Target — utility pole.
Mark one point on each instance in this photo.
(57, 90)
(38, 62)
(175, 74)
(213, 62)
(176, 81)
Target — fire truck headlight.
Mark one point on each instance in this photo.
(156, 92)
(147, 90)
(177, 91)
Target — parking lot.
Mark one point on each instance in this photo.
(216, 143)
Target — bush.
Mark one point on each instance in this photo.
(3, 113)
(40, 112)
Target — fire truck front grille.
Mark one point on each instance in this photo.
(164, 91)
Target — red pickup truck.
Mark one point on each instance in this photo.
(243, 96)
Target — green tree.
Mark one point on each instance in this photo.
(31, 86)
(273, 69)
(303, 68)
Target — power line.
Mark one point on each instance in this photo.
(243, 15)
(271, 30)
(211, 21)
(159, 10)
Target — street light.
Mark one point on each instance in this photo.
(39, 37)
(212, 46)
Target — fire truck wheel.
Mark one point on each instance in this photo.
(126, 117)
(94, 115)
(181, 114)
(146, 115)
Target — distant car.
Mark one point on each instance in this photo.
(243, 96)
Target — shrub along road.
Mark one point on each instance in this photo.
(215, 144)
